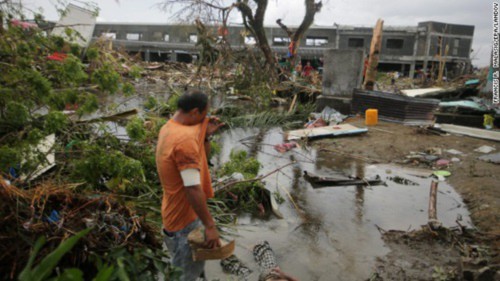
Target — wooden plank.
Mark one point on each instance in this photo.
(471, 132)
(375, 49)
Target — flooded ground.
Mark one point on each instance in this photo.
(333, 232)
(334, 235)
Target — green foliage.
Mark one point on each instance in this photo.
(105, 168)
(36, 82)
(34, 136)
(136, 130)
(172, 102)
(268, 118)
(140, 264)
(92, 54)
(33, 92)
(88, 103)
(245, 196)
(278, 197)
(128, 89)
(239, 162)
(55, 121)
(119, 264)
(16, 115)
(441, 274)
(10, 157)
(75, 50)
(44, 269)
(71, 72)
(106, 78)
(154, 105)
(135, 72)
(215, 149)
(30, 81)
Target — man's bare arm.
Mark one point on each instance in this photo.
(198, 202)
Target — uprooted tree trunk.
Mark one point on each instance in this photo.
(311, 9)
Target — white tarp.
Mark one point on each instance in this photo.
(79, 19)
(46, 147)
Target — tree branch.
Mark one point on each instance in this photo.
(254, 179)
(285, 28)
(311, 10)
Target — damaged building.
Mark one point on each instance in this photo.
(404, 49)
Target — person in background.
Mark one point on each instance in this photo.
(306, 72)
(181, 160)
(365, 67)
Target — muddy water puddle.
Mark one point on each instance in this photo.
(330, 233)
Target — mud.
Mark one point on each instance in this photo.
(477, 182)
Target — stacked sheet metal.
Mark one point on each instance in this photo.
(394, 107)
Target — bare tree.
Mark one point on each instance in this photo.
(252, 13)
(311, 9)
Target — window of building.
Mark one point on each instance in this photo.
(109, 35)
(281, 41)
(157, 35)
(394, 43)
(356, 43)
(456, 44)
(166, 37)
(193, 38)
(250, 40)
(316, 41)
(133, 36)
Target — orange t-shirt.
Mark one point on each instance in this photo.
(180, 147)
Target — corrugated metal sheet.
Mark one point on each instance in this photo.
(394, 107)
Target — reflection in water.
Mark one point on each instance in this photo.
(359, 202)
(256, 143)
(360, 191)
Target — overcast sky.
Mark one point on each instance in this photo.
(343, 12)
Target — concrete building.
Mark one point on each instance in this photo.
(404, 49)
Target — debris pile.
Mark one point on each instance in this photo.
(466, 260)
(57, 212)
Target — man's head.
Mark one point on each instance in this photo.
(193, 105)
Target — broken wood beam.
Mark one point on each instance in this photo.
(375, 49)
(114, 117)
(433, 221)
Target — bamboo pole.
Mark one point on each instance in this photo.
(375, 49)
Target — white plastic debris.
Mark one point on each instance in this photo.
(485, 149)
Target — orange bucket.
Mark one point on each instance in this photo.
(371, 117)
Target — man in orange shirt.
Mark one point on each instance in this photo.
(181, 160)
